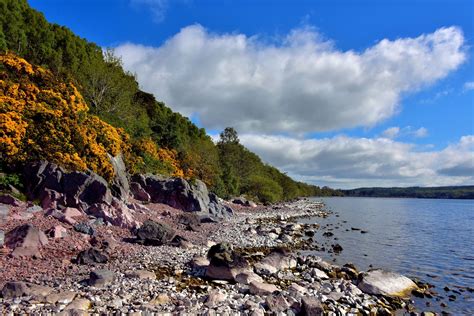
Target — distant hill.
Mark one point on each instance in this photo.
(448, 192)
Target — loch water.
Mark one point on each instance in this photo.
(428, 239)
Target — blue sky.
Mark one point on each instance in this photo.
(339, 93)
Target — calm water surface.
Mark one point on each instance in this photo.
(432, 240)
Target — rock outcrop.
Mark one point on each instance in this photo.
(181, 194)
(88, 192)
(47, 181)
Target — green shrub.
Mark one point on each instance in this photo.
(264, 189)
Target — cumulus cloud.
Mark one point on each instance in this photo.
(347, 162)
(395, 132)
(468, 86)
(391, 132)
(421, 132)
(300, 84)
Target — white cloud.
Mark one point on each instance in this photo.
(157, 7)
(469, 85)
(391, 132)
(300, 84)
(347, 162)
(421, 132)
(395, 132)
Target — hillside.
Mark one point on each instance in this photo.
(448, 192)
(153, 138)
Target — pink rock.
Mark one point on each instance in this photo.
(117, 214)
(57, 232)
(72, 212)
(22, 216)
(26, 240)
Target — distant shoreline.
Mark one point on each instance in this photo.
(446, 192)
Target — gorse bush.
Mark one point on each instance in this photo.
(44, 118)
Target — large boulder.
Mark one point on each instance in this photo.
(176, 192)
(381, 282)
(76, 189)
(225, 263)
(26, 240)
(181, 194)
(155, 234)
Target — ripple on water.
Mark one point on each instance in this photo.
(427, 239)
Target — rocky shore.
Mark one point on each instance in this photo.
(248, 264)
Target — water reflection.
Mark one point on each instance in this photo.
(428, 239)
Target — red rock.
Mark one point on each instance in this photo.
(26, 240)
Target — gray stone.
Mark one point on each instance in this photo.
(214, 298)
(315, 272)
(247, 277)
(276, 261)
(155, 234)
(311, 306)
(277, 303)
(91, 256)
(84, 228)
(261, 288)
(34, 209)
(99, 278)
(141, 274)
(80, 304)
(381, 282)
(4, 211)
(218, 208)
(2, 238)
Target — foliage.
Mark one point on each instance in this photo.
(10, 179)
(263, 189)
(151, 159)
(44, 118)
